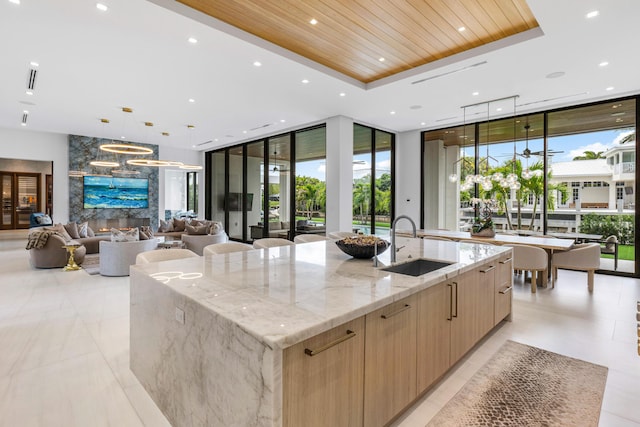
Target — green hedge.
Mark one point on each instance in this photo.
(621, 226)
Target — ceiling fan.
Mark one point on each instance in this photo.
(526, 153)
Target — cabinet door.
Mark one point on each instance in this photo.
(390, 364)
(322, 378)
(433, 333)
(473, 309)
(503, 288)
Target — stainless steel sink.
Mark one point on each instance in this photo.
(417, 267)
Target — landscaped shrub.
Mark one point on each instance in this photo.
(621, 226)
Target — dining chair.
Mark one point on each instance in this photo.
(530, 258)
(581, 257)
(225, 248)
(271, 242)
(307, 238)
(158, 255)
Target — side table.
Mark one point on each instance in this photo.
(71, 264)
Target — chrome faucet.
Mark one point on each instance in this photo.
(393, 235)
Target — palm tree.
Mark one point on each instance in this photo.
(628, 138)
(591, 155)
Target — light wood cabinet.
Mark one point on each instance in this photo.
(390, 362)
(473, 309)
(433, 334)
(503, 288)
(322, 378)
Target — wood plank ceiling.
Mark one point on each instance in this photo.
(352, 36)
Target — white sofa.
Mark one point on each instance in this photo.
(117, 257)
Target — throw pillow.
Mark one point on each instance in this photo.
(90, 232)
(195, 222)
(178, 224)
(59, 228)
(146, 233)
(216, 227)
(44, 220)
(197, 230)
(127, 236)
(72, 229)
(165, 226)
(83, 229)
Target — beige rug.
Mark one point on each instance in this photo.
(91, 264)
(528, 386)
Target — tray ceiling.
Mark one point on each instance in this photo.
(351, 37)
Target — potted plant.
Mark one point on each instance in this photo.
(482, 222)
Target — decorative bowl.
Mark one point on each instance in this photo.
(362, 246)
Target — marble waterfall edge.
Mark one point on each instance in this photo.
(233, 385)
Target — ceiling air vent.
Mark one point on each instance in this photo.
(31, 80)
(204, 143)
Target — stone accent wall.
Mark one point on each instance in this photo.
(84, 149)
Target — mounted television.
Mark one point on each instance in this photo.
(235, 201)
(101, 192)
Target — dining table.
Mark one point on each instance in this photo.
(549, 244)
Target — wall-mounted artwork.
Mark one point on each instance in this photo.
(115, 193)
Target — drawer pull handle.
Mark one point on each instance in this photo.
(309, 352)
(456, 315)
(506, 261)
(504, 291)
(450, 286)
(488, 269)
(386, 316)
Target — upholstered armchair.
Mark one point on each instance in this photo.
(582, 257)
(53, 255)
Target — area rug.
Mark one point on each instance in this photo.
(528, 386)
(91, 264)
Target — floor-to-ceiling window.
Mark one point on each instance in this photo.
(252, 188)
(574, 172)
(310, 180)
(372, 179)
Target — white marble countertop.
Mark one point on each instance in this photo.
(287, 294)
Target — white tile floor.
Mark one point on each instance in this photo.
(64, 346)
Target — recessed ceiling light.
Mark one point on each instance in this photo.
(343, 94)
(381, 59)
(603, 64)
(619, 120)
(392, 113)
(244, 131)
(192, 100)
(305, 81)
(499, 109)
(25, 111)
(610, 88)
(123, 137)
(555, 74)
(257, 64)
(422, 123)
(101, 7)
(15, 2)
(313, 21)
(475, 93)
(192, 40)
(215, 139)
(461, 29)
(282, 120)
(593, 14)
(29, 92)
(34, 64)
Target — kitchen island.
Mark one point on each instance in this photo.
(277, 337)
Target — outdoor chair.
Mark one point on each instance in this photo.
(611, 247)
